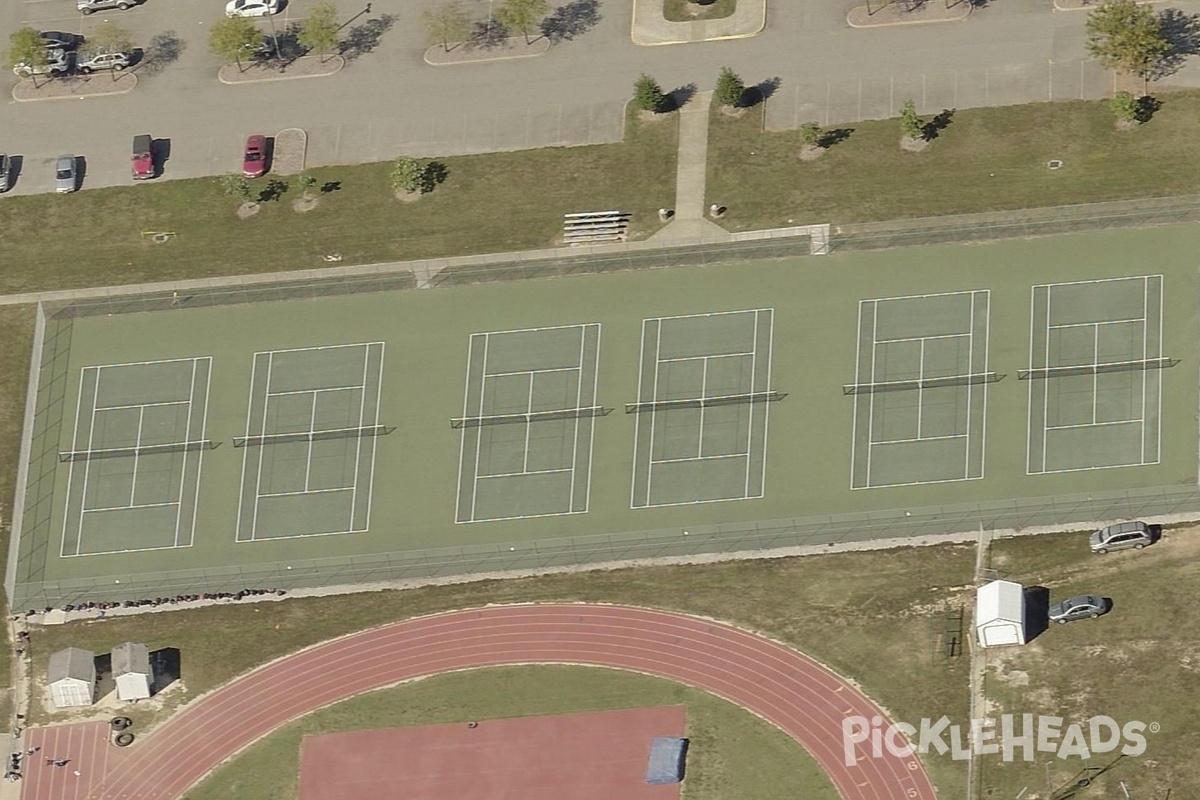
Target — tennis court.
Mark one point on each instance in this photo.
(920, 391)
(1095, 374)
(308, 454)
(528, 420)
(704, 391)
(135, 459)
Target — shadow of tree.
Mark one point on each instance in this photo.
(435, 172)
(571, 20)
(1182, 32)
(677, 98)
(331, 186)
(1147, 107)
(273, 190)
(362, 39)
(833, 136)
(753, 95)
(930, 130)
(486, 35)
(162, 50)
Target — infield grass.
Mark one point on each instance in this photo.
(730, 753)
(866, 615)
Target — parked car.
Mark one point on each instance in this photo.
(251, 8)
(88, 6)
(57, 63)
(90, 62)
(64, 174)
(5, 168)
(1087, 606)
(62, 39)
(142, 162)
(1122, 536)
(254, 158)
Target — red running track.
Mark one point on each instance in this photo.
(790, 690)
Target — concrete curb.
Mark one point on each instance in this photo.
(131, 85)
(860, 18)
(537, 48)
(338, 63)
(652, 29)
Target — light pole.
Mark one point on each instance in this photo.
(275, 38)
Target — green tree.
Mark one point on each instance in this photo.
(319, 30)
(1125, 106)
(235, 185)
(911, 125)
(407, 174)
(523, 15)
(232, 38)
(446, 23)
(1128, 37)
(307, 182)
(647, 94)
(26, 47)
(810, 134)
(730, 89)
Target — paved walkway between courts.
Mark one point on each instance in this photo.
(651, 27)
(689, 224)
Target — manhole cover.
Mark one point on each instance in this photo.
(1054, 163)
(159, 238)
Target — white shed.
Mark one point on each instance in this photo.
(72, 677)
(1000, 614)
(131, 671)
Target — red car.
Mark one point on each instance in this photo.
(142, 163)
(254, 162)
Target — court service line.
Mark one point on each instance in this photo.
(891, 340)
(261, 458)
(970, 396)
(308, 492)
(710, 355)
(1110, 423)
(129, 507)
(347, 388)
(487, 338)
(187, 437)
(575, 430)
(701, 458)
(530, 371)
(143, 405)
(358, 443)
(523, 473)
(374, 440)
(246, 452)
(750, 416)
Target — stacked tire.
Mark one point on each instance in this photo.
(121, 735)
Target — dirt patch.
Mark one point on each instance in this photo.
(247, 210)
(302, 204)
(733, 112)
(406, 196)
(913, 145)
(809, 152)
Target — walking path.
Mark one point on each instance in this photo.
(689, 224)
(800, 696)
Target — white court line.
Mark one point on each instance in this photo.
(306, 492)
(145, 405)
(375, 444)
(653, 410)
(575, 432)
(534, 330)
(315, 349)
(187, 437)
(362, 411)
(926, 338)
(314, 391)
(530, 371)
(200, 454)
(750, 416)
(701, 458)
(487, 338)
(970, 387)
(312, 427)
(1158, 428)
(130, 507)
(697, 358)
(136, 446)
(987, 358)
(141, 363)
(1098, 280)
(528, 427)
(704, 315)
(87, 467)
(1130, 421)
(62, 549)
(462, 439)
(911, 483)
(1098, 323)
(637, 424)
(854, 454)
(871, 402)
(1096, 374)
(703, 393)
(246, 451)
(587, 500)
(911, 440)
(1046, 389)
(523, 473)
(921, 387)
(261, 458)
(770, 349)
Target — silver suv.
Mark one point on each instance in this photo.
(57, 63)
(1122, 536)
(90, 62)
(88, 6)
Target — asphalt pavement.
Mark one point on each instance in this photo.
(389, 102)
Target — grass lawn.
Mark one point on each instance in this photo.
(985, 160)
(686, 10)
(488, 203)
(867, 615)
(1140, 662)
(730, 753)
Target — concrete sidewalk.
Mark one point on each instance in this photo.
(689, 223)
(650, 27)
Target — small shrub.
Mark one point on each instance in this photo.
(647, 94)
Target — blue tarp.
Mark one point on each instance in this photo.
(667, 754)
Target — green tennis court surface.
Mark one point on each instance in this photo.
(206, 445)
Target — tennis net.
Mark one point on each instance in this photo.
(258, 440)
(1140, 365)
(971, 379)
(705, 402)
(528, 417)
(143, 450)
